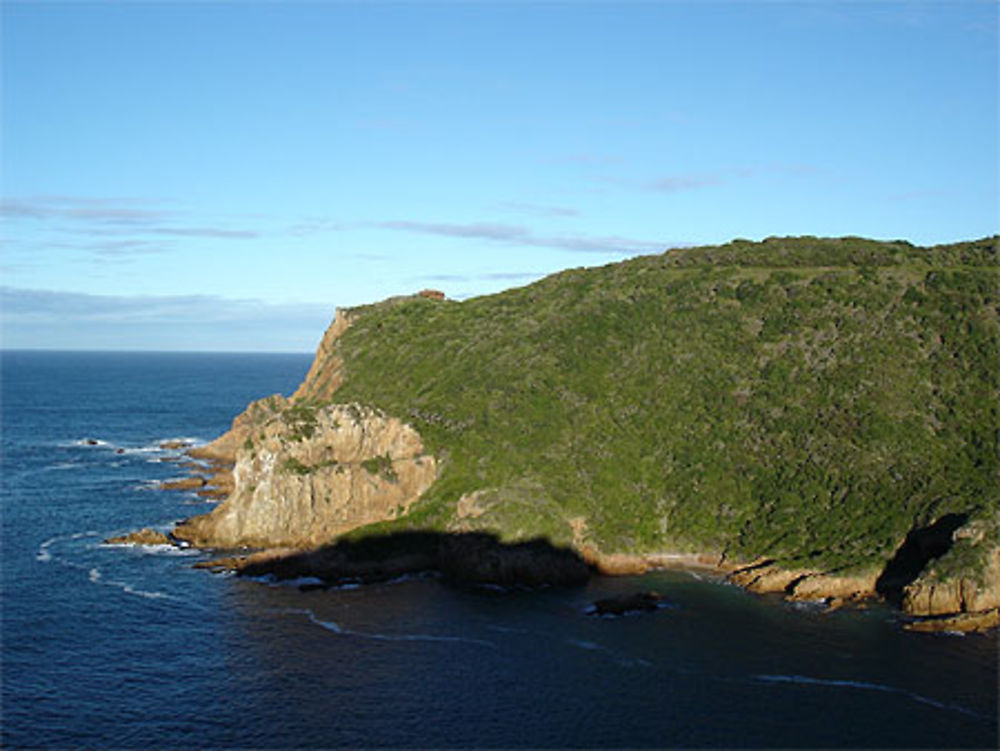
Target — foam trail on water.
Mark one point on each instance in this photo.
(508, 629)
(328, 625)
(336, 628)
(863, 686)
(95, 577)
(590, 646)
(44, 555)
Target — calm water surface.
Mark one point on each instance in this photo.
(131, 647)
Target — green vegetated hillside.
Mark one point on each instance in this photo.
(803, 399)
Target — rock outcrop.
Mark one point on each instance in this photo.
(639, 602)
(144, 536)
(326, 373)
(800, 584)
(185, 483)
(932, 594)
(305, 475)
(933, 599)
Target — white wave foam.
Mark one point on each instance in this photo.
(415, 576)
(146, 485)
(95, 577)
(157, 549)
(618, 658)
(336, 628)
(44, 555)
(507, 629)
(864, 686)
(90, 442)
(142, 450)
(328, 625)
(168, 550)
(144, 593)
(187, 440)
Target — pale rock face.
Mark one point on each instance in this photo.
(301, 481)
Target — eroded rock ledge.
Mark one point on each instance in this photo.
(303, 475)
(960, 604)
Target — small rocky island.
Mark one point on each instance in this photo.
(813, 417)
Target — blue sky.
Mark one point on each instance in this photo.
(221, 176)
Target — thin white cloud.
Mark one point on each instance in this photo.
(203, 232)
(45, 208)
(497, 276)
(42, 304)
(479, 230)
(535, 209)
(519, 235)
(676, 183)
(106, 217)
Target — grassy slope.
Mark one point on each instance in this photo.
(797, 398)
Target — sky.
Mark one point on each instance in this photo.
(223, 175)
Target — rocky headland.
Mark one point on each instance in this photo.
(806, 417)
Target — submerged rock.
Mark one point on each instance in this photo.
(175, 445)
(185, 483)
(639, 602)
(145, 536)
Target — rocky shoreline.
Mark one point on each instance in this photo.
(293, 474)
(479, 558)
(220, 472)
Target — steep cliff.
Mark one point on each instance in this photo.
(303, 476)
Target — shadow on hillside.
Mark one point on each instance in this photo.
(466, 558)
(920, 547)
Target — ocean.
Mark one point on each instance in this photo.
(130, 647)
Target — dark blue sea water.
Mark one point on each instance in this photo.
(132, 648)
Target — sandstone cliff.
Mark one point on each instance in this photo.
(322, 380)
(302, 476)
(961, 589)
